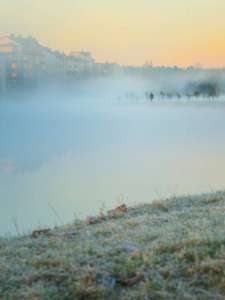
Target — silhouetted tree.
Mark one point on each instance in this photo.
(147, 96)
(188, 95)
(178, 96)
(162, 94)
(132, 96)
(213, 94)
(196, 94)
(209, 87)
(169, 95)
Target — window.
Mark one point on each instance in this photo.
(5, 49)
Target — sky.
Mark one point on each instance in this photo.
(168, 32)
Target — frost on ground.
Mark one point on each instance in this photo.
(171, 249)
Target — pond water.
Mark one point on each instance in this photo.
(72, 156)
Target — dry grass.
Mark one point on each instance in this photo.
(171, 249)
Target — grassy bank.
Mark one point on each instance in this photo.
(170, 249)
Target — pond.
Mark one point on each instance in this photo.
(66, 157)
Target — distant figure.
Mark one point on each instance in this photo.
(151, 96)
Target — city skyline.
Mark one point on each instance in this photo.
(175, 33)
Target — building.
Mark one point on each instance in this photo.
(107, 69)
(79, 64)
(54, 63)
(2, 75)
(24, 60)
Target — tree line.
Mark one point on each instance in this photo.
(207, 90)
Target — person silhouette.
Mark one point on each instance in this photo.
(151, 96)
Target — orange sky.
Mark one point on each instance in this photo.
(175, 32)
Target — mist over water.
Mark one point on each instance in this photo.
(77, 148)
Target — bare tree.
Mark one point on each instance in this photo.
(188, 95)
(178, 96)
(196, 94)
(147, 96)
(162, 94)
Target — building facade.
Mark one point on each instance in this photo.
(54, 63)
(24, 60)
(108, 69)
(79, 64)
(2, 76)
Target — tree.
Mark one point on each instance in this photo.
(209, 88)
(162, 94)
(213, 94)
(178, 96)
(132, 96)
(147, 95)
(188, 95)
(169, 95)
(196, 94)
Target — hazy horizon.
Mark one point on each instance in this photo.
(79, 148)
(175, 33)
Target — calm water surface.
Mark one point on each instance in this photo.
(77, 156)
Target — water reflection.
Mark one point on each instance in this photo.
(77, 155)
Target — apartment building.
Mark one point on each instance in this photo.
(79, 64)
(2, 76)
(54, 63)
(107, 69)
(24, 63)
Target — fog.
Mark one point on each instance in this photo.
(77, 147)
